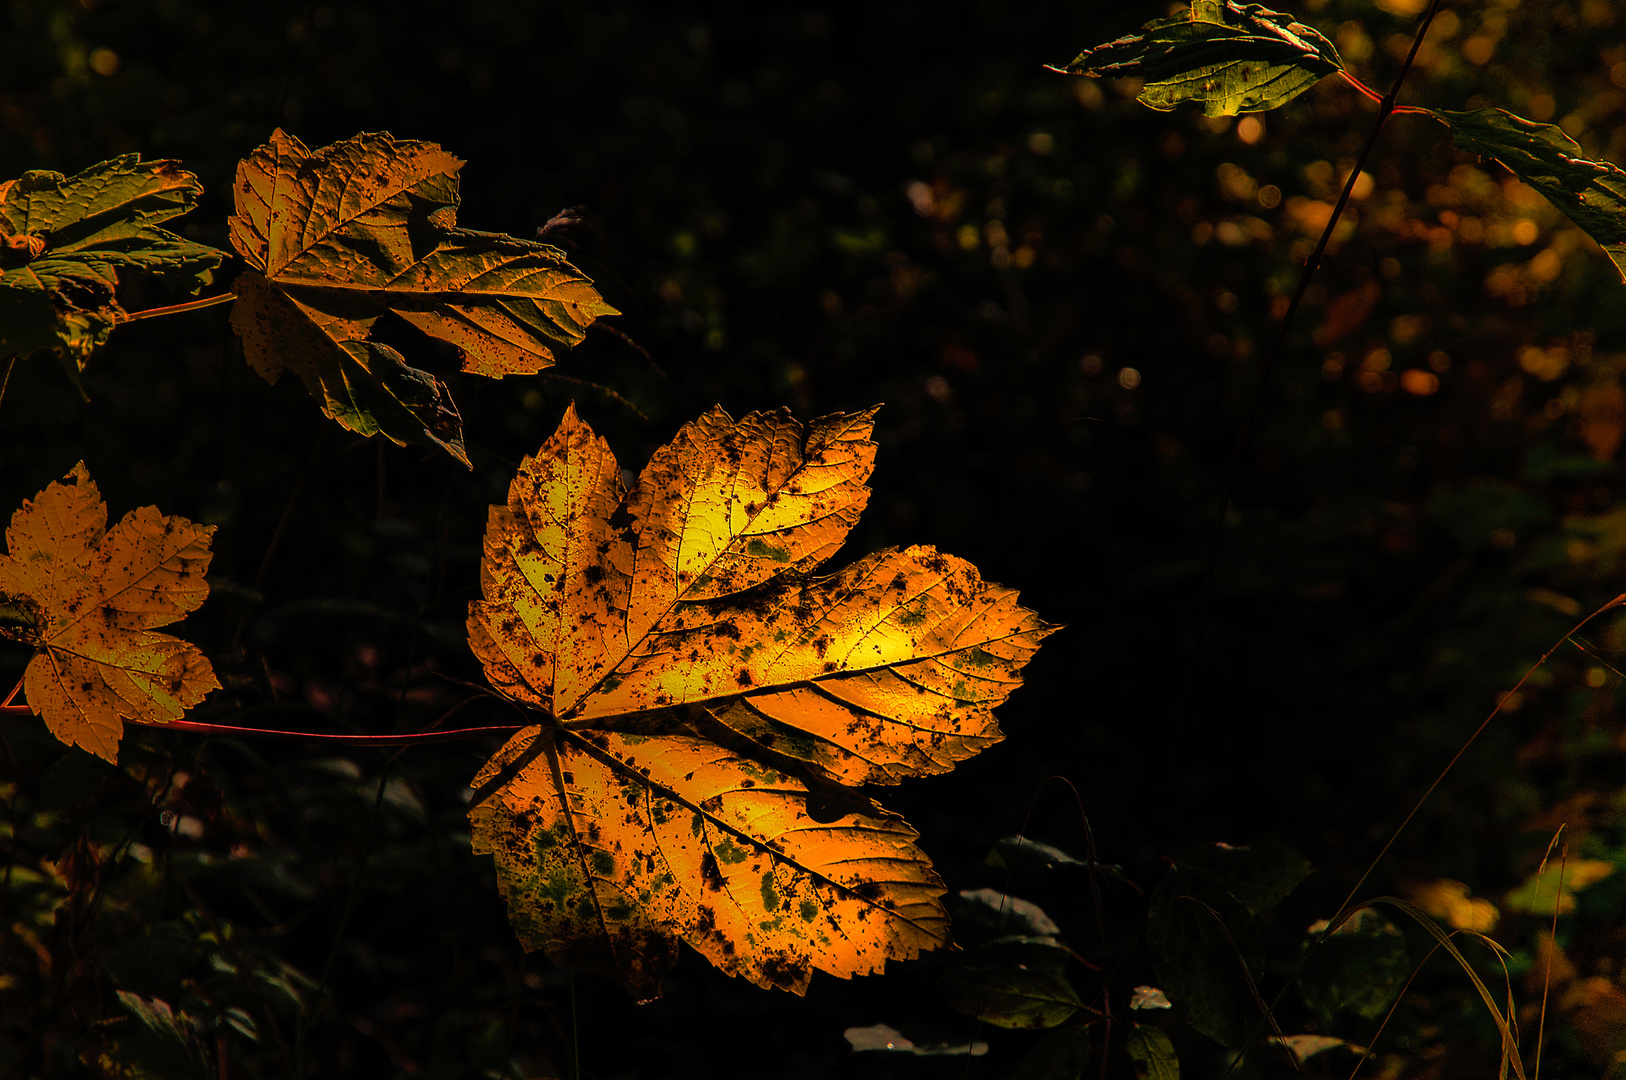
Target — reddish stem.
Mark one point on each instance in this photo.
(451, 735)
(1365, 90)
(173, 309)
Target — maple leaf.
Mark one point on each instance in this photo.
(705, 693)
(88, 597)
(65, 239)
(338, 237)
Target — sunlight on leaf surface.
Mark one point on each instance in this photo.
(65, 239)
(338, 237)
(1227, 57)
(88, 597)
(702, 685)
(1591, 193)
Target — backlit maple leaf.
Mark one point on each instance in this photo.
(88, 597)
(65, 239)
(338, 237)
(702, 690)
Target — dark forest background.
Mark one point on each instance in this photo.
(1064, 300)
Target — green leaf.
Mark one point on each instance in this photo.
(1020, 853)
(1552, 889)
(1061, 1055)
(1227, 57)
(1153, 1054)
(1591, 193)
(1011, 994)
(993, 913)
(1260, 875)
(64, 241)
(1359, 968)
(1038, 953)
(888, 1039)
(1198, 934)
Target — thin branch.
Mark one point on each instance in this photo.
(1244, 434)
(20, 712)
(1345, 909)
(411, 739)
(626, 339)
(605, 390)
(176, 309)
(5, 382)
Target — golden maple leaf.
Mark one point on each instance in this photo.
(87, 597)
(704, 693)
(338, 237)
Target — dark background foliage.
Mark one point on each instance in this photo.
(1064, 301)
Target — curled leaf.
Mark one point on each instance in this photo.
(1227, 57)
(88, 597)
(339, 237)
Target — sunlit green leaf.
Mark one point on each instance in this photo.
(1591, 193)
(64, 240)
(1227, 57)
(1544, 893)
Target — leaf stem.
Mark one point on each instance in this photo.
(549, 373)
(175, 309)
(415, 739)
(1365, 90)
(15, 690)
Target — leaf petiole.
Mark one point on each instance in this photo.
(175, 309)
(1365, 90)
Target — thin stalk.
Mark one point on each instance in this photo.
(1552, 948)
(1463, 749)
(176, 309)
(549, 373)
(1365, 90)
(19, 712)
(5, 382)
(1244, 434)
(1345, 909)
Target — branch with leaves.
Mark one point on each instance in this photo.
(332, 240)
